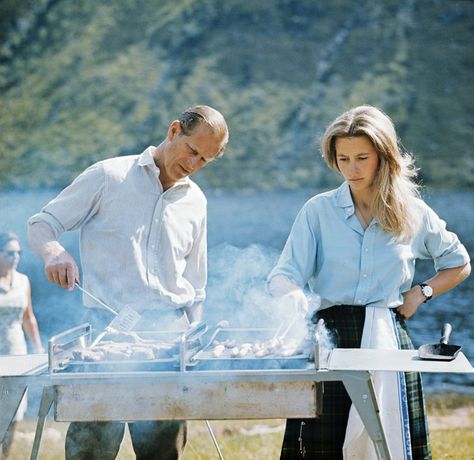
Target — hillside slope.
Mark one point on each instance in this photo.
(81, 81)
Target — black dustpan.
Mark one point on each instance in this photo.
(441, 351)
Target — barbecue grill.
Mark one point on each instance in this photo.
(192, 383)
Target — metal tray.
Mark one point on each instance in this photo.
(204, 359)
(182, 343)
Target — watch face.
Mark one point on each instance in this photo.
(427, 291)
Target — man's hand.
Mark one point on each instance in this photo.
(61, 268)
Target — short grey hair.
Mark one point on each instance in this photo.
(194, 116)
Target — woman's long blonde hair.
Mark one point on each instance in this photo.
(393, 201)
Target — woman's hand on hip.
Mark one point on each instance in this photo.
(412, 299)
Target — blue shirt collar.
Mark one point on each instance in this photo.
(344, 199)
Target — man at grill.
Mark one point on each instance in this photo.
(143, 245)
(356, 247)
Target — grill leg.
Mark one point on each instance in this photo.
(11, 394)
(45, 405)
(360, 387)
(214, 440)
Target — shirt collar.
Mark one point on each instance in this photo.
(344, 199)
(146, 157)
(146, 160)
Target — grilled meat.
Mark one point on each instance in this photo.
(218, 350)
(274, 347)
(88, 355)
(123, 350)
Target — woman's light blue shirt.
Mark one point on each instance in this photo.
(329, 251)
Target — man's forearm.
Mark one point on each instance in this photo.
(42, 240)
(60, 268)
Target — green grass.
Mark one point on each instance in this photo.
(237, 440)
(451, 419)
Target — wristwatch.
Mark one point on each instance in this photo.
(426, 290)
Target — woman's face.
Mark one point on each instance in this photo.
(10, 255)
(357, 161)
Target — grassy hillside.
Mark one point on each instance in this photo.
(81, 81)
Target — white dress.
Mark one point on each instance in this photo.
(13, 304)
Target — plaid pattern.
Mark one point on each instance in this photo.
(420, 440)
(322, 438)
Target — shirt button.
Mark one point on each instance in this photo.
(152, 246)
(366, 250)
(365, 275)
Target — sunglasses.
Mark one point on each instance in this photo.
(12, 253)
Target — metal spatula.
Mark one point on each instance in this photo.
(124, 321)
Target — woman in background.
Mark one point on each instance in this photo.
(356, 247)
(16, 315)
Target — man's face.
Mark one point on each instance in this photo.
(185, 155)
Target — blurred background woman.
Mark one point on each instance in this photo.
(16, 315)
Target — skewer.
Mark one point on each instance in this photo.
(285, 332)
(99, 338)
(277, 332)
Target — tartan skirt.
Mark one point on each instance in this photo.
(323, 437)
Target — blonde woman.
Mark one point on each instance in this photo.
(356, 247)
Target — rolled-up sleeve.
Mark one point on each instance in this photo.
(75, 204)
(440, 244)
(298, 258)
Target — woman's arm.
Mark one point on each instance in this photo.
(442, 282)
(30, 325)
(288, 293)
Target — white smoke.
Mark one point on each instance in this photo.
(324, 336)
(237, 286)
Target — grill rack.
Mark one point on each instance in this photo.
(187, 351)
(204, 358)
(182, 344)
